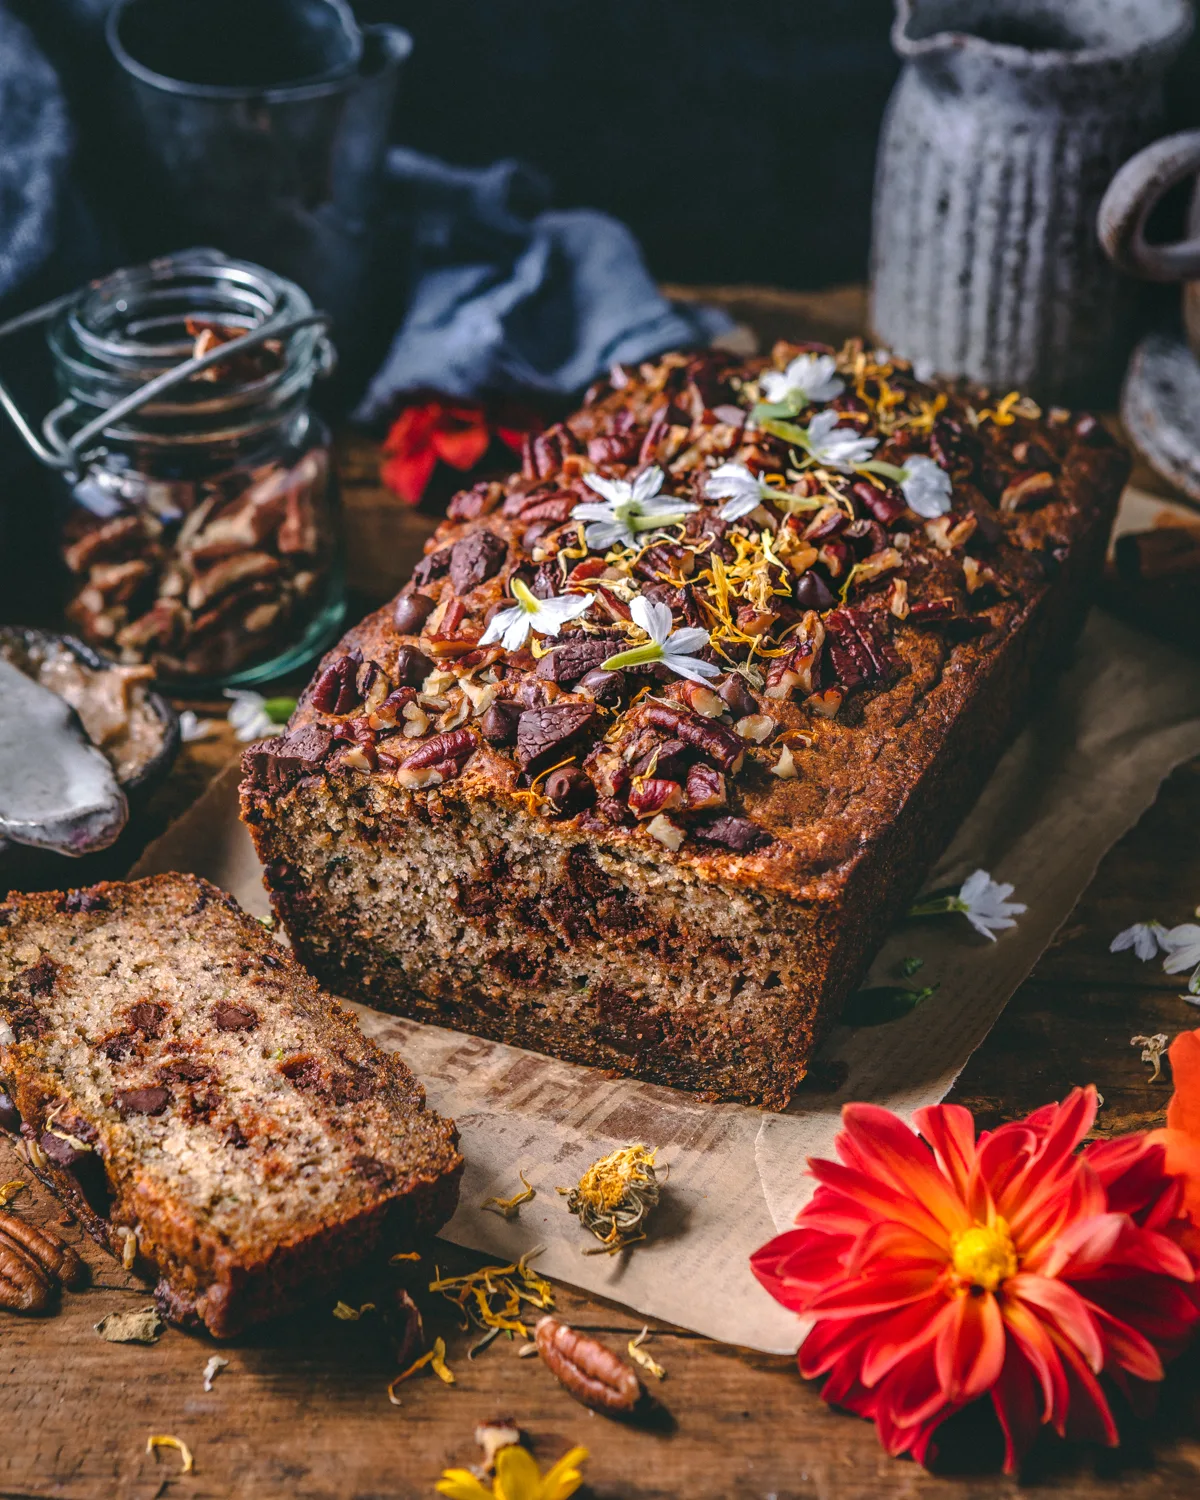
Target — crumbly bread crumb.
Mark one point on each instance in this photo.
(183, 1080)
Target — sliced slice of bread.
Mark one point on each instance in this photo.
(218, 1121)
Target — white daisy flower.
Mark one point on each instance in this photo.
(1145, 938)
(250, 717)
(192, 728)
(926, 487)
(983, 901)
(741, 491)
(836, 447)
(626, 512)
(1182, 947)
(511, 627)
(672, 648)
(809, 377)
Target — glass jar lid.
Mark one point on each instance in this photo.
(146, 353)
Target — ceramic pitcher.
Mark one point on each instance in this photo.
(1008, 121)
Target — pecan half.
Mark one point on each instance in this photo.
(712, 739)
(23, 1286)
(586, 1369)
(55, 1260)
(454, 746)
(336, 689)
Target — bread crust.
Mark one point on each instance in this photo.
(140, 1023)
(993, 594)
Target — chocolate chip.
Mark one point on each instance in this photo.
(574, 659)
(812, 592)
(738, 696)
(499, 723)
(431, 567)
(543, 731)
(151, 1101)
(412, 667)
(605, 687)
(569, 789)
(234, 1017)
(377, 1173)
(412, 610)
(474, 560)
(738, 834)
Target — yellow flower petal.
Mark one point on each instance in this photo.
(517, 1475)
(564, 1478)
(461, 1484)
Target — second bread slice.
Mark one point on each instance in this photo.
(219, 1122)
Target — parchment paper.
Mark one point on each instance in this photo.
(1087, 766)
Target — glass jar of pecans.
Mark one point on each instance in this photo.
(202, 533)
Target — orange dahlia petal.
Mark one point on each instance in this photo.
(970, 1347)
(1183, 1112)
(885, 1146)
(950, 1130)
(1063, 1311)
(878, 1293)
(897, 1335)
(1129, 1348)
(1089, 1416)
(1043, 1358)
(1014, 1398)
(879, 1199)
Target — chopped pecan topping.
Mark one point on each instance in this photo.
(336, 688)
(455, 746)
(712, 739)
(857, 650)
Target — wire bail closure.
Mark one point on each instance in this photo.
(69, 454)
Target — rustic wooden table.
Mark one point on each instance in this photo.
(302, 1410)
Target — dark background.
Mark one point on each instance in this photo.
(736, 138)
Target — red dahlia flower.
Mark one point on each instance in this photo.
(944, 1269)
(458, 433)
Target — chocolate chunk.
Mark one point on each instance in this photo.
(147, 1017)
(431, 567)
(542, 732)
(275, 765)
(812, 592)
(41, 977)
(738, 834)
(10, 1115)
(234, 1017)
(574, 659)
(605, 687)
(61, 1151)
(412, 610)
(377, 1173)
(412, 667)
(235, 1136)
(150, 1101)
(475, 559)
(84, 901)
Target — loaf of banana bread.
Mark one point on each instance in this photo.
(214, 1119)
(665, 731)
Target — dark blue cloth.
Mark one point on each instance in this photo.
(511, 296)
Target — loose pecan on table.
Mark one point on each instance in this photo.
(32, 1262)
(587, 1370)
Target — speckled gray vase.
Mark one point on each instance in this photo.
(1008, 121)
